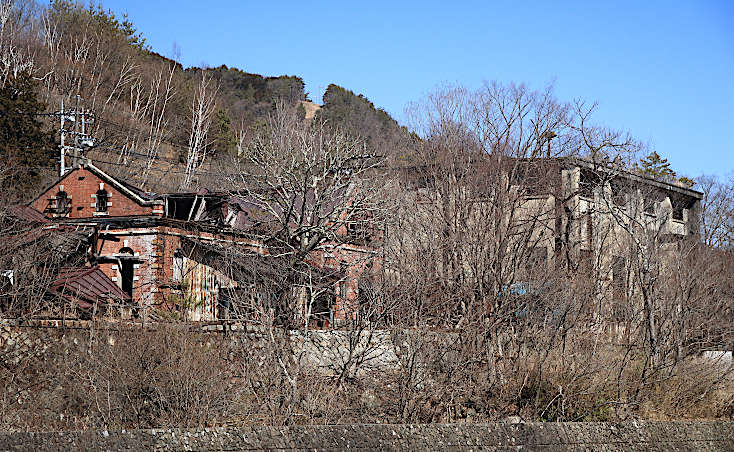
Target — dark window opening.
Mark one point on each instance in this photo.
(357, 231)
(587, 183)
(677, 212)
(619, 199)
(589, 228)
(127, 271)
(425, 181)
(619, 193)
(321, 306)
(681, 203)
(62, 203)
(102, 198)
(528, 179)
(224, 303)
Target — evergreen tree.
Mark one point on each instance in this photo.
(656, 167)
(224, 138)
(26, 146)
(358, 116)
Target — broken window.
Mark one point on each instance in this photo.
(62, 203)
(678, 211)
(9, 276)
(102, 198)
(588, 181)
(357, 231)
(127, 270)
(322, 302)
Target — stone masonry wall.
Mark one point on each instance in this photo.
(630, 436)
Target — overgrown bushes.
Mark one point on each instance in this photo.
(172, 376)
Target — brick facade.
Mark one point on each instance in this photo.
(136, 247)
(81, 186)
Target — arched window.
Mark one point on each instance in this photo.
(102, 198)
(62, 203)
(127, 270)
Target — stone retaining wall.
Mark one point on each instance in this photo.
(630, 436)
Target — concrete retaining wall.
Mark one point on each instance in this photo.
(655, 436)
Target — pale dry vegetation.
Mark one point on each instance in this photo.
(477, 304)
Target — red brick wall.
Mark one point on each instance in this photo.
(358, 262)
(79, 185)
(142, 242)
(165, 246)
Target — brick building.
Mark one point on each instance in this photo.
(191, 253)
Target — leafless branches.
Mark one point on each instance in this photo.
(201, 112)
(717, 211)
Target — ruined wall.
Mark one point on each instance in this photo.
(631, 436)
(143, 244)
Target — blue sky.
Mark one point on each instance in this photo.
(664, 71)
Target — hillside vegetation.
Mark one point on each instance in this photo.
(156, 123)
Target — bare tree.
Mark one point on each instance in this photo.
(309, 189)
(717, 211)
(201, 116)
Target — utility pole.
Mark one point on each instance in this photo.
(80, 117)
(75, 162)
(62, 149)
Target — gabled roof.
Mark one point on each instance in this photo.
(87, 286)
(136, 194)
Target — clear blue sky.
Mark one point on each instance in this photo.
(662, 70)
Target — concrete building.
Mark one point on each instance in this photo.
(495, 222)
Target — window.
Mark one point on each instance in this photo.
(127, 270)
(321, 304)
(588, 182)
(102, 198)
(678, 211)
(620, 190)
(528, 180)
(62, 203)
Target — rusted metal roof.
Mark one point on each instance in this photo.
(29, 214)
(87, 286)
(61, 241)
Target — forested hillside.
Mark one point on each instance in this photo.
(163, 126)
